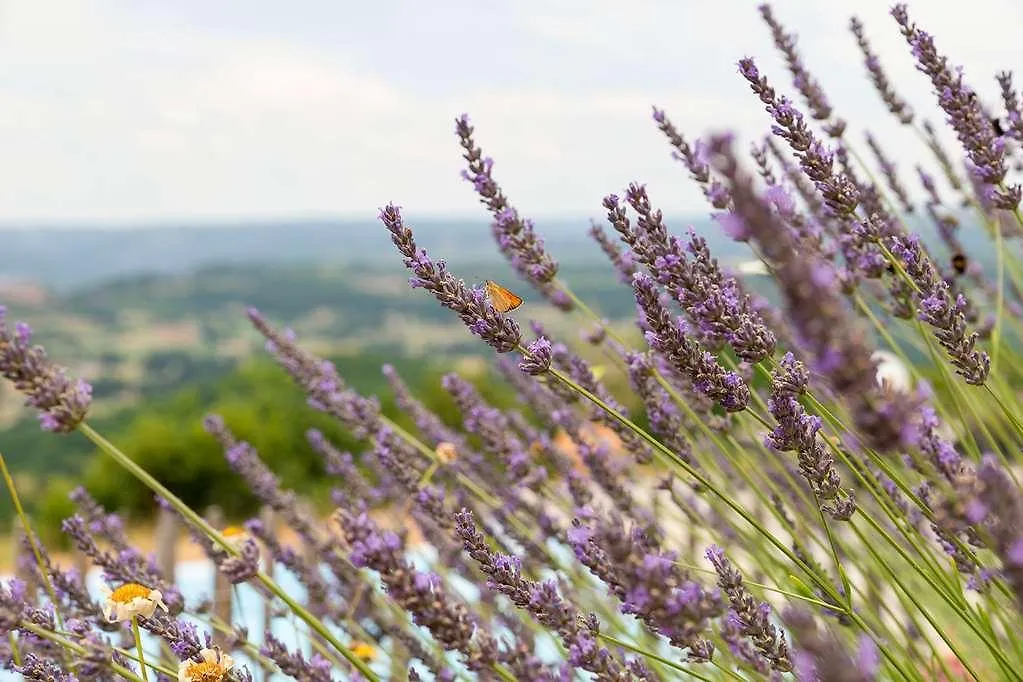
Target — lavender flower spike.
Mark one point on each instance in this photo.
(947, 315)
(542, 600)
(809, 88)
(421, 594)
(672, 341)
(985, 149)
(890, 175)
(1010, 99)
(472, 306)
(823, 656)
(839, 347)
(753, 617)
(879, 78)
(62, 402)
(515, 235)
(817, 161)
(538, 359)
(797, 431)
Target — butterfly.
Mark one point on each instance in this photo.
(502, 299)
(959, 263)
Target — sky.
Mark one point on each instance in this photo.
(127, 112)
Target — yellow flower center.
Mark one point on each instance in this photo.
(125, 593)
(232, 531)
(207, 671)
(364, 651)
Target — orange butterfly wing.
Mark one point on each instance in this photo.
(502, 299)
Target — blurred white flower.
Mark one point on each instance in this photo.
(892, 374)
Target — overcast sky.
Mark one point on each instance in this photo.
(143, 110)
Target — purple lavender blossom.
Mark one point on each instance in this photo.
(984, 148)
(489, 423)
(939, 452)
(879, 78)
(421, 594)
(838, 346)
(720, 311)
(62, 402)
(624, 263)
(472, 305)
(816, 160)
(342, 465)
(1010, 99)
(537, 359)
(759, 154)
(890, 174)
(1002, 498)
(808, 87)
(797, 430)
(648, 582)
(325, 389)
(664, 415)
(542, 600)
(515, 236)
(671, 339)
(753, 617)
(314, 669)
(699, 171)
(125, 565)
(303, 567)
(34, 668)
(820, 655)
(244, 567)
(580, 372)
(946, 315)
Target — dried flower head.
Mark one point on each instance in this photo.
(446, 452)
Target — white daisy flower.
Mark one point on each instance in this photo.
(212, 668)
(130, 600)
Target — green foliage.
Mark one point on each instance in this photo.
(52, 508)
(262, 406)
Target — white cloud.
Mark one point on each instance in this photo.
(122, 110)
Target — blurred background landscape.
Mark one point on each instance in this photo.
(167, 165)
(155, 318)
(165, 339)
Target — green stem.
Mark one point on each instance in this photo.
(651, 655)
(469, 484)
(23, 518)
(199, 522)
(996, 332)
(76, 648)
(1005, 410)
(672, 457)
(15, 653)
(138, 647)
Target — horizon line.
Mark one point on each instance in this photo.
(198, 222)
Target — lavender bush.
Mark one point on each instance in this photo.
(790, 511)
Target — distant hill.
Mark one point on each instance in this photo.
(69, 257)
(144, 311)
(138, 336)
